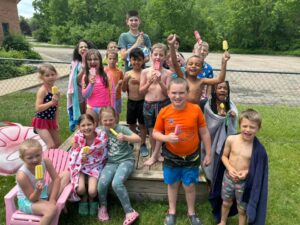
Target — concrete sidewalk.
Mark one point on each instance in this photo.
(12, 85)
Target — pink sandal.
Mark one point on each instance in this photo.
(130, 218)
(102, 214)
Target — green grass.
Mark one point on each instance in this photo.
(280, 135)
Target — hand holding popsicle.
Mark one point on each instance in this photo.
(113, 131)
(54, 90)
(85, 151)
(39, 173)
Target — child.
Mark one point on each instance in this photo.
(85, 167)
(244, 167)
(119, 166)
(180, 125)
(154, 82)
(221, 118)
(45, 121)
(117, 76)
(194, 66)
(76, 104)
(112, 46)
(34, 196)
(133, 38)
(97, 87)
(135, 103)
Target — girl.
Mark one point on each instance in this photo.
(45, 121)
(75, 102)
(97, 87)
(119, 166)
(34, 196)
(221, 118)
(86, 166)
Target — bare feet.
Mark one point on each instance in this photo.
(160, 158)
(150, 161)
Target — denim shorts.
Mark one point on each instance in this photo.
(181, 174)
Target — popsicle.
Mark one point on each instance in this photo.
(55, 90)
(92, 71)
(113, 132)
(177, 129)
(157, 64)
(222, 111)
(225, 45)
(39, 175)
(222, 106)
(198, 37)
(86, 149)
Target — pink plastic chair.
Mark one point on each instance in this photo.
(59, 158)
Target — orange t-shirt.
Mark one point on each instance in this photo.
(190, 119)
(117, 75)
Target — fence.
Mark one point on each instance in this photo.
(276, 94)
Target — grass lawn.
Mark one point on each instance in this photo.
(280, 135)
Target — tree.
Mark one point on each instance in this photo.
(24, 26)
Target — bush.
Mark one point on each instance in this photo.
(20, 54)
(10, 69)
(15, 42)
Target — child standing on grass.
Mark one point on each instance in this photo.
(86, 165)
(116, 76)
(221, 118)
(112, 46)
(34, 196)
(133, 39)
(244, 169)
(135, 103)
(76, 104)
(45, 121)
(180, 125)
(154, 82)
(97, 87)
(119, 166)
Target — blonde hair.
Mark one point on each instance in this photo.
(29, 143)
(45, 68)
(160, 46)
(251, 115)
(108, 109)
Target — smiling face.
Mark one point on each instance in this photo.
(93, 61)
(158, 54)
(49, 77)
(133, 23)
(194, 65)
(178, 94)
(87, 127)
(82, 48)
(108, 119)
(32, 156)
(248, 129)
(222, 91)
(137, 63)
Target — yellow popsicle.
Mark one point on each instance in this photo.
(39, 175)
(225, 45)
(55, 90)
(113, 132)
(86, 149)
(222, 106)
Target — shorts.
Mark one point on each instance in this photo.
(119, 105)
(25, 205)
(233, 190)
(185, 175)
(135, 112)
(151, 110)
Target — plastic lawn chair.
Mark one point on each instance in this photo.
(59, 159)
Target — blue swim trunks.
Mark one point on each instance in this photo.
(181, 174)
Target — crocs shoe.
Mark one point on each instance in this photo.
(102, 214)
(93, 208)
(131, 217)
(194, 220)
(170, 219)
(83, 208)
(144, 150)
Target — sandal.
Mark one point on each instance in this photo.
(170, 219)
(130, 218)
(102, 214)
(194, 220)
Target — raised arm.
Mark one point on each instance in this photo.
(171, 41)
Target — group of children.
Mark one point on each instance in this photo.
(161, 102)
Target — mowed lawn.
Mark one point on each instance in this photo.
(280, 134)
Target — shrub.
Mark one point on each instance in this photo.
(15, 42)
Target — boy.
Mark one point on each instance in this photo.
(154, 82)
(133, 39)
(135, 103)
(181, 151)
(194, 66)
(245, 175)
(117, 75)
(112, 46)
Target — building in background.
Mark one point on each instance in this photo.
(9, 18)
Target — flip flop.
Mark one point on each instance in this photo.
(130, 218)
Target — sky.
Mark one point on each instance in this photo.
(25, 8)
